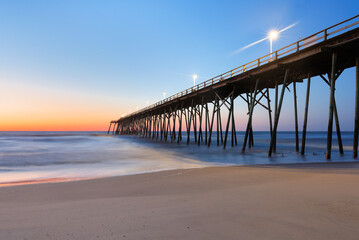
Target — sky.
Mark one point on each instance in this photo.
(75, 65)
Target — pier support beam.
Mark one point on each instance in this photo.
(150, 126)
(109, 128)
(179, 138)
(158, 126)
(251, 138)
(211, 123)
(331, 106)
(230, 117)
(296, 117)
(337, 126)
(249, 97)
(269, 114)
(168, 127)
(117, 129)
(200, 115)
(218, 124)
(207, 124)
(249, 124)
(234, 133)
(114, 126)
(356, 118)
(227, 127)
(194, 119)
(174, 117)
(275, 114)
(188, 124)
(304, 133)
(154, 132)
(336, 117)
(276, 119)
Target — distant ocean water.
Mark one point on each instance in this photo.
(41, 156)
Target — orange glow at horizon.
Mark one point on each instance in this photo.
(61, 121)
(54, 126)
(72, 122)
(36, 108)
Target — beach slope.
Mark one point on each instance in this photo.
(310, 201)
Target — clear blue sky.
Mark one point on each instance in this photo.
(92, 61)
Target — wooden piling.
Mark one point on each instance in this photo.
(276, 120)
(114, 126)
(304, 133)
(251, 138)
(117, 128)
(269, 113)
(109, 128)
(188, 120)
(296, 116)
(331, 106)
(356, 110)
(194, 119)
(174, 117)
(227, 127)
(200, 137)
(220, 123)
(234, 133)
(249, 123)
(275, 114)
(337, 127)
(217, 110)
(249, 102)
(168, 128)
(206, 123)
(211, 126)
(179, 138)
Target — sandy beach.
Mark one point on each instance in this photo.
(300, 201)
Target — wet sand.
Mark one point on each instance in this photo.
(300, 201)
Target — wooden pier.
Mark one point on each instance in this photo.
(326, 54)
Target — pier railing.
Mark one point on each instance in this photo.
(313, 39)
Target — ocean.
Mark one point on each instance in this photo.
(28, 157)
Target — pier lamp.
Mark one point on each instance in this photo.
(272, 35)
(194, 79)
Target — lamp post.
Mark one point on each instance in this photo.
(272, 35)
(194, 79)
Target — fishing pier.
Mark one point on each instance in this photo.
(195, 110)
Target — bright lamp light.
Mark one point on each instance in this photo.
(273, 34)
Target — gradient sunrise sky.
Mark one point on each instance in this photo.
(76, 65)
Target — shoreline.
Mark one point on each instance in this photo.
(310, 165)
(76, 179)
